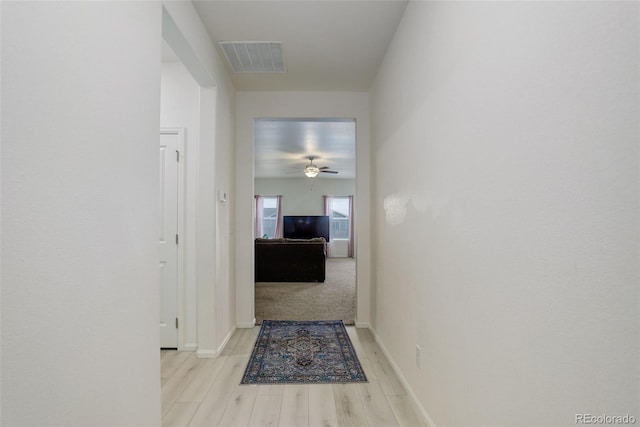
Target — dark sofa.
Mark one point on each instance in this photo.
(290, 260)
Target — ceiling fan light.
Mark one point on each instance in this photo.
(311, 171)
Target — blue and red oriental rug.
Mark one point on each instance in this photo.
(303, 352)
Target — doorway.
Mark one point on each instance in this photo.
(287, 152)
(188, 101)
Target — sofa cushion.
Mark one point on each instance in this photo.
(314, 240)
(260, 240)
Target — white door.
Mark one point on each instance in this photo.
(168, 241)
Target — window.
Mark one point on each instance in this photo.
(339, 217)
(340, 212)
(269, 216)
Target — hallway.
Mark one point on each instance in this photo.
(498, 209)
(206, 392)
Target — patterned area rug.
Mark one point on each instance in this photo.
(288, 351)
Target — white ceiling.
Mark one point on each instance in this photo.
(328, 45)
(282, 147)
(334, 45)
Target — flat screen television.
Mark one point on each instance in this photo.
(305, 227)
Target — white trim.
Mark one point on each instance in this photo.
(183, 50)
(212, 354)
(246, 325)
(226, 340)
(181, 239)
(207, 354)
(190, 347)
(414, 399)
(363, 325)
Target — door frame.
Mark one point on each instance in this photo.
(180, 132)
(252, 105)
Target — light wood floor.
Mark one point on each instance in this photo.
(206, 392)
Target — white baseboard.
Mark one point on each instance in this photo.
(246, 325)
(226, 340)
(414, 399)
(207, 354)
(212, 354)
(189, 347)
(363, 325)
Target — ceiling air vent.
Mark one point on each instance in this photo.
(254, 57)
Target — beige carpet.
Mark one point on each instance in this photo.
(335, 299)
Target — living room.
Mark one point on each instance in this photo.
(281, 294)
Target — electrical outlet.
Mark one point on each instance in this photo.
(418, 357)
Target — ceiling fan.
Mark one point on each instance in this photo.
(312, 170)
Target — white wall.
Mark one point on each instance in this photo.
(180, 108)
(303, 196)
(215, 172)
(505, 151)
(252, 105)
(80, 295)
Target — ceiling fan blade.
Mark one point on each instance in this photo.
(324, 167)
(326, 171)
